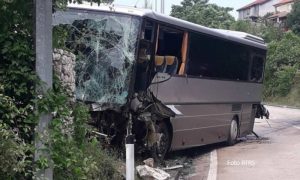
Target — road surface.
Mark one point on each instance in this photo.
(276, 155)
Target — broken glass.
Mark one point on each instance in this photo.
(105, 49)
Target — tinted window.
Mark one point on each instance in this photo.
(214, 58)
(148, 32)
(257, 69)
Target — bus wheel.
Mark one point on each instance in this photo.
(233, 132)
(164, 143)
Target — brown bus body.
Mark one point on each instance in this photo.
(206, 108)
(173, 83)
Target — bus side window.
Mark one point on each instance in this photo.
(211, 57)
(257, 69)
(169, 45)
(148, 32)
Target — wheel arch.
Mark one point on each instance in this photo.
(170, 129)
(237, 118)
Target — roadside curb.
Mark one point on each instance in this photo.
(213, 166)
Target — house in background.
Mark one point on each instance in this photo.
(258, 8)
(282, 9)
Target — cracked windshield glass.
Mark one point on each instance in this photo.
(105, 46)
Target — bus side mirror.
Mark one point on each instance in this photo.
(160, 78)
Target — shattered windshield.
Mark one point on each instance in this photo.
(104, 45)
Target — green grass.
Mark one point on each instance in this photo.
(292, 99)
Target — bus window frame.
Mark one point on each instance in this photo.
(144, 22)
(189, 31)
(251, 51)
(253, 55)
(159, 24)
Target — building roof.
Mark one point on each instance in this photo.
(257, 2)
(235, 36)
(279, 15)
(282, 2)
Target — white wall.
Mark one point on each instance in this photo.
(286, 7)
(262, 10)
(267, 7)
(243, 14)
(254, 11)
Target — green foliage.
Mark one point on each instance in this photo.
(15, 154)
(265, 30)
(17, 75)
(272, 33)
(241, 25)
(200, 12)
(283, 60)
(17, 80)
(284, 80)
(74, 156)
(60, 35)
(293, 19)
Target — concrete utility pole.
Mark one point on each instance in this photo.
(162, 6)
(43, 50)
(129, 151)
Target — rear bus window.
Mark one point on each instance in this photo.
(257, 69)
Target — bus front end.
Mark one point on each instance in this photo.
(105, 44)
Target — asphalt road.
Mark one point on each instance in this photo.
(275, 155)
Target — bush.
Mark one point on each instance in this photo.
(293, 19)
(74, 156)
(90, 162)
(284, 80)
(14, 158)
(265, 30)
(283, 60)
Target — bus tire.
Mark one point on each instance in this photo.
(233, 132)
(164, 144)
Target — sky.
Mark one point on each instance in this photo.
(236, 4)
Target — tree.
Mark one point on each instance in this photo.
(18, 116)
(267, 31)
(283, 60)
(200, 12)
(293, 19)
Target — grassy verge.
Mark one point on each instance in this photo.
(292, 99)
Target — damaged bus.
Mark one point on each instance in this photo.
(172, 83)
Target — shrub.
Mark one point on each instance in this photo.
(74, 156)
(283, 60)
(293, 19)
(14, 156)
(265, 30)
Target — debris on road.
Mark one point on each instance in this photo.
(149, 162)
(173, 167)
(147, 172)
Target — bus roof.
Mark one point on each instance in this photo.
(236, 36)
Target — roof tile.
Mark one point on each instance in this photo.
(257, 2)
(282, 2)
